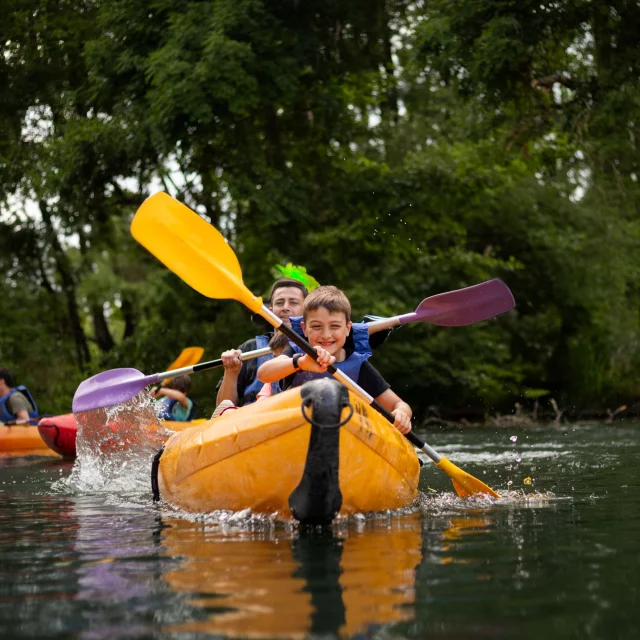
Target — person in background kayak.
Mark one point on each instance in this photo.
(175, 404)
(16, 402)
(326, 324)
(239, 383)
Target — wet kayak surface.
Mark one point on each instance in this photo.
(556, 555)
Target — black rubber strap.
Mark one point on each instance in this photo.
(155, 489)
(322, 425)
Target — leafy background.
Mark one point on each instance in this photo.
(396, 149)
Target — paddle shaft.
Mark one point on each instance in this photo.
(212, 364)
(390, 323)
(383, 323)
(349, 383)
(20, 423)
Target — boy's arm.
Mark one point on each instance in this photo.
(282, 366)
(276, 369)
(174, 394)
(401, 411)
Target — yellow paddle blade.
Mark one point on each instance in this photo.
(193, 249)
(187, 358)
(464, 484)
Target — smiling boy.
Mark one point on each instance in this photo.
(327, 322)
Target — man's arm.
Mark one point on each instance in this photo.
(228, 389)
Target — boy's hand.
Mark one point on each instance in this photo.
(155, 392)
(231, 360)
(307, 363)
(402, 421)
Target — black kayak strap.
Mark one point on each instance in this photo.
(155, 490)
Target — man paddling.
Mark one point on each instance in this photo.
(16, 402)
(239, 383)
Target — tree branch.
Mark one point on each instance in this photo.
(547, 82)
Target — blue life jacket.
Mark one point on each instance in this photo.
(351, 366)
(256, 385)
(5, 414)
(359, 333)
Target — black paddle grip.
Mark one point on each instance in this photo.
(212, 364)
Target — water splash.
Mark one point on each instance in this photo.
(115, 447)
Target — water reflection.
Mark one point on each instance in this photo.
(278, 583)
(459, 532)
(119, 565)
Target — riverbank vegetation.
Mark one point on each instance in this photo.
(396, 149)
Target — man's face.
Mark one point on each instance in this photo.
(287, 302)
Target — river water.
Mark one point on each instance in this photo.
(557, 557)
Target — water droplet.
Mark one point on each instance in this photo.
(509, 483)
(514, 438)
(518, 459)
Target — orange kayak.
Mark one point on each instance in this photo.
(22, 440)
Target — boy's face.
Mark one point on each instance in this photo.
(327, 329)
(287, 302)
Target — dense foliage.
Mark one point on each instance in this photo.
(396, 149)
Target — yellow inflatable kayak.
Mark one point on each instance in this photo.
(310, 452)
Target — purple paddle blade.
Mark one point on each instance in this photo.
(463, 306)
(109, 388)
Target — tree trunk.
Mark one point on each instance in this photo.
(128, 312)
(272, 130)
(388, 106)
(68, 286)
(101, 331)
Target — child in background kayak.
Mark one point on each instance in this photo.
(175, 404)
(327, 322)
